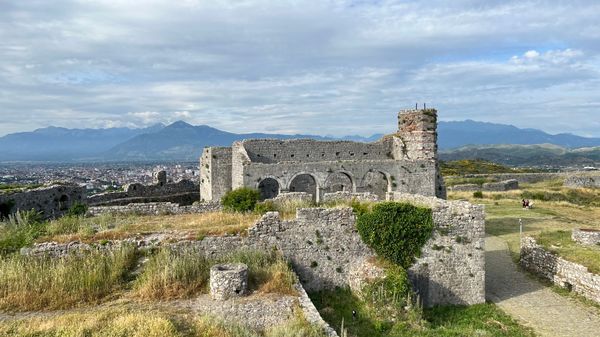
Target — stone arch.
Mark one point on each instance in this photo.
(338, 181)
(377, 182)
(268, 188)
(304, 182)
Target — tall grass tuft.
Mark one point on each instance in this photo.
(173, 273)
(181, 273)
(20, 230)
(296, 327)
(35, 283)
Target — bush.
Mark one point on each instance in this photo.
(77, 209)
(241, 200)
(396, 231)
(478, 194)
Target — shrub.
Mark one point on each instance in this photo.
(241, 200)
(77, 209)
(478, 194)
(396, 231)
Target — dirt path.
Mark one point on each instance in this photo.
(532, 303)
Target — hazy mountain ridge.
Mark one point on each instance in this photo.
(527, 155)
(182, 141)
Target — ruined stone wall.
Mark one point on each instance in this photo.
(522, 178)
(184, 192)
(451, 269)
(215, 173)
(500, 186)
(377, 177)
(559, 271)
(156, 208)
(325, 248)
(586, 236)
(270, 151)
(51, 201)
(349, 196)
(583, 181)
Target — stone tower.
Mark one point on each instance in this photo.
(417, 130)
(159, 178)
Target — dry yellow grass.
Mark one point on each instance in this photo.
(114, 227)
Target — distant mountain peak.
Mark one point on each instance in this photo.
(180, 124)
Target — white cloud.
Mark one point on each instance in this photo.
(326, 67)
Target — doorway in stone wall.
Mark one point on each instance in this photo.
(304, 183)
(268, 188)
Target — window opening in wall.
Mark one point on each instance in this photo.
(365, 153)
(337, 153)
(307, 155)
(274, 156)
(292, 156)
(322, 154)
(352, 154)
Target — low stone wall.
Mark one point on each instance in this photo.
(583, 181)
(183, 192)
(51, 201)
(465, 188)
(559, 271)
(501, 186)
(586, 236)
(451, 269)
(156, 208)
(292, 197)
(522, 178)
(311, 313)
(349, 196)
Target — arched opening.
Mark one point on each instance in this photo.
(338, 181)
(377, 183)
(63, 202)
(304, 183)
(268, 188)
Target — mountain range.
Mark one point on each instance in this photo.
(181, 141)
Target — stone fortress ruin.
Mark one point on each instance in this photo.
(322, 244)
(405, 161)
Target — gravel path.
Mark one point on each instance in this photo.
(532, 303)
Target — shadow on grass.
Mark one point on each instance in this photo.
(477, 320)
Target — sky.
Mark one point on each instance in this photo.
(339, 67)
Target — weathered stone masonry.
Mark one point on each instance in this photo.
(404, 162)
(559, 271)
(324, 247)
(51, 201)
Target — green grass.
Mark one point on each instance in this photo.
(559, 242)
(476, 166)
(177, 273)
(503, 211)
(43, 283)
(477, 320)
